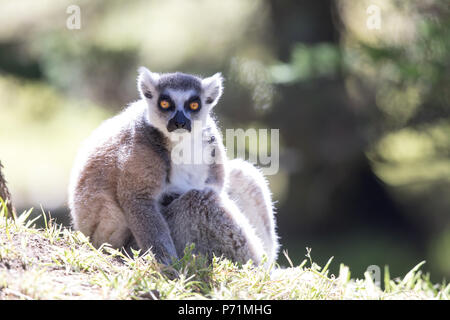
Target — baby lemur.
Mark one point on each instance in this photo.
(156, 177)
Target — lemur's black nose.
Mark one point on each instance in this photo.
(179, 121)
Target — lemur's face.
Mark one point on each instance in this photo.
(177, 100)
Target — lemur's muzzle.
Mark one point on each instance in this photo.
(179, 121)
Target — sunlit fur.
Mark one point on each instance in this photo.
(127, 190)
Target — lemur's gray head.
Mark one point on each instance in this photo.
(175, 100)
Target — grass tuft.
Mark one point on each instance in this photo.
(55, 262)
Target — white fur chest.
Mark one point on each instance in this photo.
(184, 177)
(188, 170)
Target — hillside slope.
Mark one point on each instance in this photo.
(58, 263)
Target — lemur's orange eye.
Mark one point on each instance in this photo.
(164, 104)
(194, 105)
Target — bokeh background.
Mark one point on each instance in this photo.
(363, 113)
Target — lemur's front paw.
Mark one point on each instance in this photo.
(202, 197)
(164, 251)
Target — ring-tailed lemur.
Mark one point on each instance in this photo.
(131, 187)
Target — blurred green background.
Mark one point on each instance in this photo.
(363, 113)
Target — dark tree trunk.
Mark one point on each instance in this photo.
(4, 192)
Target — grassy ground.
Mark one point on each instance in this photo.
(57, 263)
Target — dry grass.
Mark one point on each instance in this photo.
(58, 263)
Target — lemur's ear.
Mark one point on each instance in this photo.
(212, 88)
(147, 83)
